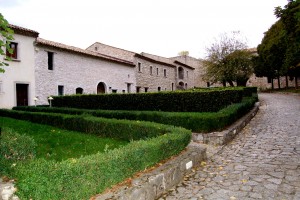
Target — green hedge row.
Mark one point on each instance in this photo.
(197, 122)
(184, 101)
(81, 178)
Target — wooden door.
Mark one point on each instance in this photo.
(22, 94)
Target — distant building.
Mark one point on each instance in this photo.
(153, 73)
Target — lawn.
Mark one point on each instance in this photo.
(58, 144)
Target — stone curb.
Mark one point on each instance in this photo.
(152, 185)
(225, 136)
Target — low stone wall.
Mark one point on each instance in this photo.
(225, 136)
(152, 185)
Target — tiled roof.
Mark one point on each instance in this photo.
(112, 51)
(182, 64)
(154, 60)
(23, 31)
(40, 41)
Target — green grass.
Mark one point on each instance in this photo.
(58, 144)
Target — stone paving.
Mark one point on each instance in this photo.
(262, 162)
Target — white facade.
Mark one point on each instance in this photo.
(17, 83)
(75, 68)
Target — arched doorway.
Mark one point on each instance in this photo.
(101, 88)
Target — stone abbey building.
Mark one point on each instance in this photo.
(40, 68)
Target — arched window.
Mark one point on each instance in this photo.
(180, 73)
(79, 90)
(101, 88)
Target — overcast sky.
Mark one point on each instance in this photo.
(161, 27)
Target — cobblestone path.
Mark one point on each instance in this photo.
(262, 162)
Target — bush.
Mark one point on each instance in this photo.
(81, 178)
(15, 147)
(197, 122)
(185, 101)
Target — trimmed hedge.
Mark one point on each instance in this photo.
(184, 101)
(81, 178)
(197, 122)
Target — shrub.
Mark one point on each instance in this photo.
(14, 147)
(81, 178)
(195, 121)
(187, 101)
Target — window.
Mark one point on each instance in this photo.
(157, 71)
(128, 87)
(165, 73)
(172, 86)
(123, 91)
(187, 74)
(14, 53)
(138, 89)
(208, 84)
(140, 67)
(181, 73)
(269, 80)
(151, 70)
(60, 90)
(146, 89)
(79, 90)
(50, 60)
(159, 89)
(114, 91)
(96, 48)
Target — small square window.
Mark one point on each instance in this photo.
(114, 91)
(165, 73)
(140, 67)
(159, 89)
(146, 89)
(14, 53)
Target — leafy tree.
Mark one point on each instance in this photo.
(228, 60)
(271, 53)
(183, 53)
(279, 51)
(6, 35)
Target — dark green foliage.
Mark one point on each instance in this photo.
(197, 122)
(83, 177)
(189, 101)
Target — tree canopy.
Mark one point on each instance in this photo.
(228, 60)
(279, 51)
(6, 35)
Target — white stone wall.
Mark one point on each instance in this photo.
(152, 81)
(73, 70)
(19, 71)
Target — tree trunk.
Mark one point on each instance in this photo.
(278, 78)
(241, 83)
(224, 83)
(231, 83)
(272, 81)
(286, 81)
